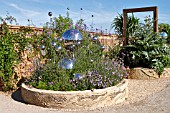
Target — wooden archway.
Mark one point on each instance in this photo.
(143, 9)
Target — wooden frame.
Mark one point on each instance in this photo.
(144, 9)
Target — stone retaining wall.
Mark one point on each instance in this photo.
(75, 100)
(146, 73)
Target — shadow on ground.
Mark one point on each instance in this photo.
(17, 96)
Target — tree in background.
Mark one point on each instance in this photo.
(132, 24)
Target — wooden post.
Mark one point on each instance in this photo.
(155, 16)
(124, 28)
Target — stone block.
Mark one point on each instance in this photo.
(147, 74)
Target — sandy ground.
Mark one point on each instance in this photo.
(145, 96)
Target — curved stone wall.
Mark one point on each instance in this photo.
(75, 100)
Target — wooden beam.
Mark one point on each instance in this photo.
(143, 9)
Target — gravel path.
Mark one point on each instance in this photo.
(145, 96)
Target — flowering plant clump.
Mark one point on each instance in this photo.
(87, 73)
(72, 65)
(111, 74)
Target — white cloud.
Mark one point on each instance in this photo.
(99, 17)
(25, 12)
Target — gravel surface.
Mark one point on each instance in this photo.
(145, 96)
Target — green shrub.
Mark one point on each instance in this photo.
(11, 46)
(147, 49)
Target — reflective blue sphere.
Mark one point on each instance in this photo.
(72, 34)
(49, 13)
(71, 47)
(53, 43)
(78, 76)
(57, 48)
(66, 63)
(102, 47)
(78, 43)
(95, 38)
(91, 60)
(163, 34)
(60, 39)
(42, 47)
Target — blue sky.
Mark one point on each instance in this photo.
(104, 11)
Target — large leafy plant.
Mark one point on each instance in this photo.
(146, 48)
(132, 23)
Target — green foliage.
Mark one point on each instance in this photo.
(61, 24)
(114, 52)
(80, 25)
(7, 58)
(147, 49)
(132, 23)
(11, 46)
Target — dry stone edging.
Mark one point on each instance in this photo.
(147, 74)
(76, 100)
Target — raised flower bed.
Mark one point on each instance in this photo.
(88, 99)
(80, 77)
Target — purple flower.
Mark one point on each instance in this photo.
(113, 73)
(71, 80)
(51, 83)
(115, 63)
(119, 75)
(49, 32)
(123, 54)
(123, 68)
